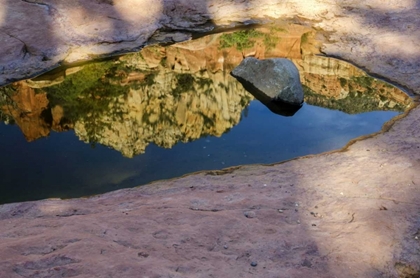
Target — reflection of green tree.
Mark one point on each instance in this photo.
(86, 94)
(184, 83)
(358, 101)
(363, 81)
(148, 81)
(343, 82)
(6, 101)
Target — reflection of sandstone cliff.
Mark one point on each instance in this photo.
(28, 111)
(163, 95)
(31, 113)
(328, 82)
(335, 84)
(173, 108)
(182, 92)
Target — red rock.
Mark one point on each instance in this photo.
(167, 229)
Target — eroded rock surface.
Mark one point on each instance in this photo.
(342, 214)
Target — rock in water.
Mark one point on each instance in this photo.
(275, 79)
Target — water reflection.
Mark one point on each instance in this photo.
(180, 93)
(165, 95)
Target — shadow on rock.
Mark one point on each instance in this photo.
(276, 106)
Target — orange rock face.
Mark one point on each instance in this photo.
(30, 112)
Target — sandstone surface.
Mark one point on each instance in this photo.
(353, 213)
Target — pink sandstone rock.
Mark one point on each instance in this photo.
(353, 213)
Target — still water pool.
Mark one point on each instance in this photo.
(169, 111)
(63, 166)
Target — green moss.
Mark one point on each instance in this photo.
(305, 37)
(364, 81)
(278, 29)
(246, 39)
(241, 40)
(270, 42)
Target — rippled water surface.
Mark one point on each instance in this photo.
(169, 111)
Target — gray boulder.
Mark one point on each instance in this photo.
(274, 79)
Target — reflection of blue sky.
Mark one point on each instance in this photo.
(61, 165)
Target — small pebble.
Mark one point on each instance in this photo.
(280, 210)
(225, 246)
(254, 264)
(249, 214)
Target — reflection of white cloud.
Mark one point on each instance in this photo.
(109, 175)
(313, 114)
(334, 120)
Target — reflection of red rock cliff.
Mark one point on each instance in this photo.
(28, 111)
(31, 112)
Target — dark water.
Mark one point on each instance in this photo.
(63, 166)
(145, 117)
